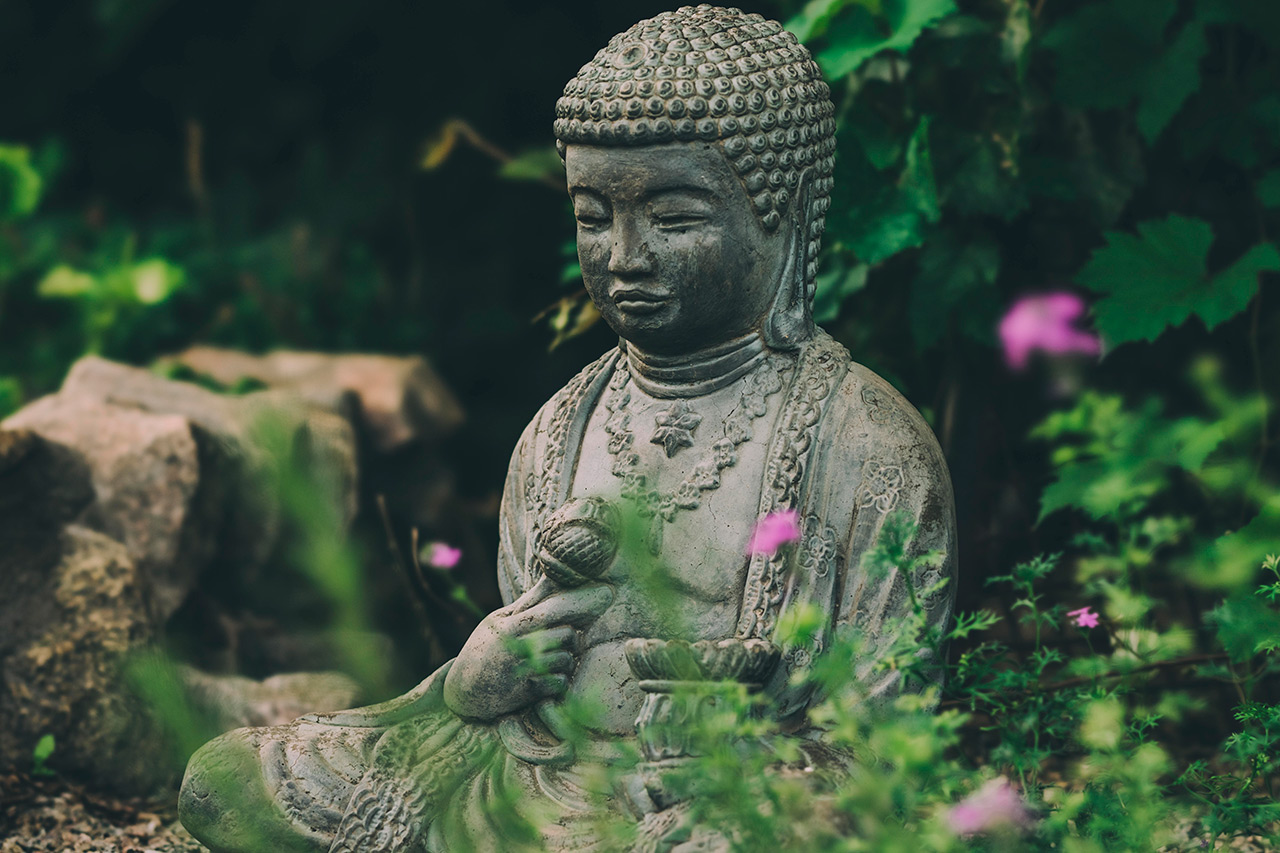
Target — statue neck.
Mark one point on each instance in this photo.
(695, 374)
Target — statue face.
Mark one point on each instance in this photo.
(671, 249)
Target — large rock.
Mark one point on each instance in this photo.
(401, 399)
(61, 677)
(152, 492)
(234, 701)
(182, 476)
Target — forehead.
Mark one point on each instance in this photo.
(625, 172)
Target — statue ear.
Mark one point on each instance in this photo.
(790, 321)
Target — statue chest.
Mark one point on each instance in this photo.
(688, 482)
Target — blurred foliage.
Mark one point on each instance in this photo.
(273, 174)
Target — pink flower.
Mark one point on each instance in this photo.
(441, 556)
(1084, 617)
(1044, 322)
(995, 805)
(773, 531)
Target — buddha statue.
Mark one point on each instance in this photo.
(698, 149)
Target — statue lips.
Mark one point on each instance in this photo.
(635, 301)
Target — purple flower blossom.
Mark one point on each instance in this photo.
(1044, 322)
(440, 555)
(773, 531)
(995, 805)
(1084, 617)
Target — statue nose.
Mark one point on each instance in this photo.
(630, 254)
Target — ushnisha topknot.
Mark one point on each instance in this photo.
(714, 73)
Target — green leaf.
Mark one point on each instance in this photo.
(877, 218)
(1170, 81)
(63, 282)
(1158, 278)
(813, 20)
(1231, 561)
(1230, 290)
(1101, 487)
(856, 36)
(40, 755)
(1245, 626)
(977, 176)
(534, 165)
(956, 280)
(1104, 52)
(155, 280)
(1269, 189)
(20, 183)
(833, 287)
(11, 397)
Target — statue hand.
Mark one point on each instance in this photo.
(524, 652)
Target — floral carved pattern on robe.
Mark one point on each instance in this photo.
(881, 483)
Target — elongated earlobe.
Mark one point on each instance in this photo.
(790, 321)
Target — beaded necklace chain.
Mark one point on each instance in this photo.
(662, 507)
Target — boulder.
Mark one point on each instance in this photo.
(151, 491)
(233, 701)
(62, 676)
(401, 399)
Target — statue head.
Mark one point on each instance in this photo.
(699, 147)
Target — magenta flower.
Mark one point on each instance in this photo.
(773, 531)
(995, 805)
(441, 556)
(1084, 617)
(1044, 323)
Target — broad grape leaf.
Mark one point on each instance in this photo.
(857, 35)
(1170, 81)
(1104, 50)
(1110, 54)
(1159, 278)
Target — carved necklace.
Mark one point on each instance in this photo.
(675, 427)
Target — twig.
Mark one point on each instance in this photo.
(1054, 686)
(417, 583)
(468, 134)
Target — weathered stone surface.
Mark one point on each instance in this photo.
(42, 487)
(233, 701)
(150, 492)
(401, 399)
(63, 677)
(179, 473)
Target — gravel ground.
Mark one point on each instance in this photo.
(48, 815)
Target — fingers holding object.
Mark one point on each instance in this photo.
(558, 662)
(552, 686)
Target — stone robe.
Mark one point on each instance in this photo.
(835, 443)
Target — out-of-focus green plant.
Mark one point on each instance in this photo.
(40, 755)
(105, 299)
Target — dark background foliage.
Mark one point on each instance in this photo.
(274, 152)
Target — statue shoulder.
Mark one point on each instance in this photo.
(563, 403)
(875, 417)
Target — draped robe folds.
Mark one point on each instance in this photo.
(846, 451)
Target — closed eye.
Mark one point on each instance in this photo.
(678, 221)
(592, 221)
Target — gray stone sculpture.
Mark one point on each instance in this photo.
(698, 147)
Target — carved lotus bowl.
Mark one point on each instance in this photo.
(745, 661)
